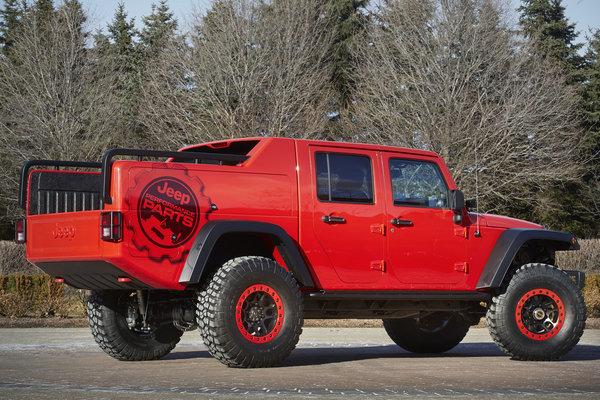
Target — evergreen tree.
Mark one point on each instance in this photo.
(121, 50)
(348, 22)
(159, 28)
(122, 32)
(545, 22)
(591, 93)
(10, 21)
(348, 19)
(591, 111)
(121, 44)
(129, 52)
(73, 11)
(42, 9)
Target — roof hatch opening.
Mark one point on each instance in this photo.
(237, 147)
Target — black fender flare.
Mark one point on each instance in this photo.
(210, 233)
(507, 246)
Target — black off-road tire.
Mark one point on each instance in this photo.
(251, 313)
(538, 315)
(202, 301)
(436, 333)
(106, 317)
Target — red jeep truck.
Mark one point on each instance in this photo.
(245, 238)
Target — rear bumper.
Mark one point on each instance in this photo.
(91, 275)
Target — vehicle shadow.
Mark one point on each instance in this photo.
(187, 355)
(319, 356)
(332, 355)
(305, 356)
(583, 353)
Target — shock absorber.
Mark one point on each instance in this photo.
(143, 308)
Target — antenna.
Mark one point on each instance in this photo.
(478, 231)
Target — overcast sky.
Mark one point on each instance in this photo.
(584, 13)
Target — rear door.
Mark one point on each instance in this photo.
(348, 212)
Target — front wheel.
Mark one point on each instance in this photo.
(433, 333)
(116, 327)
(539, 315)
(251, 313)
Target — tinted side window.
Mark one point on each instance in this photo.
(417, 183)
(344, 178)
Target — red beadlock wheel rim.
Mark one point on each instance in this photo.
(540, 314)
(259, 313)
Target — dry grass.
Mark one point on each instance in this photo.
(587, 259)
(25, 295)
(13, 261)
(591, 293)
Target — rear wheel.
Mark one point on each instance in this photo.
(435, 333)
(251, 313)
(119, 331)
(538, 315)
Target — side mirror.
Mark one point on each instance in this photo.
(457, 203)
(471, 204)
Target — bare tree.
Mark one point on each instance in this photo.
(451, 77)
(56, 102)
(249, 67)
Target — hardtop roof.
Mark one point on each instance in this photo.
(348, 145)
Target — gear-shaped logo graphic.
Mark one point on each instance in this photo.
(168, 212)
(169, 208)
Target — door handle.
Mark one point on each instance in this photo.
(401, 222)
(333, 220)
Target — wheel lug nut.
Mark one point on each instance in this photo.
(539, 314)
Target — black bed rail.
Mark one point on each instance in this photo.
(108, 156)
(46, 163)
(106, 164)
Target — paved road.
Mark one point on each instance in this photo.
(353, 363)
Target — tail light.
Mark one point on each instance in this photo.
(111, 227)
(20, 230)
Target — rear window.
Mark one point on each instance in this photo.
(344, 178)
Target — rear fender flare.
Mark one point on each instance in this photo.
(212, 231)
(507, 247)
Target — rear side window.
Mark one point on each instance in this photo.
(417, 183)
(344, 178)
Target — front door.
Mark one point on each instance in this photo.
(348, 216)
(425, 246)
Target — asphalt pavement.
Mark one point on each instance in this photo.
(353, 363)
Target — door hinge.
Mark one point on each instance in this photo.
(462, 232)
(378, 265)
(462, 267)
(378, 229)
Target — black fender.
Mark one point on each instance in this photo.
(507, 246)
(210, 233)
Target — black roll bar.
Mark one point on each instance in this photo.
(46, 163)
(108, 156)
